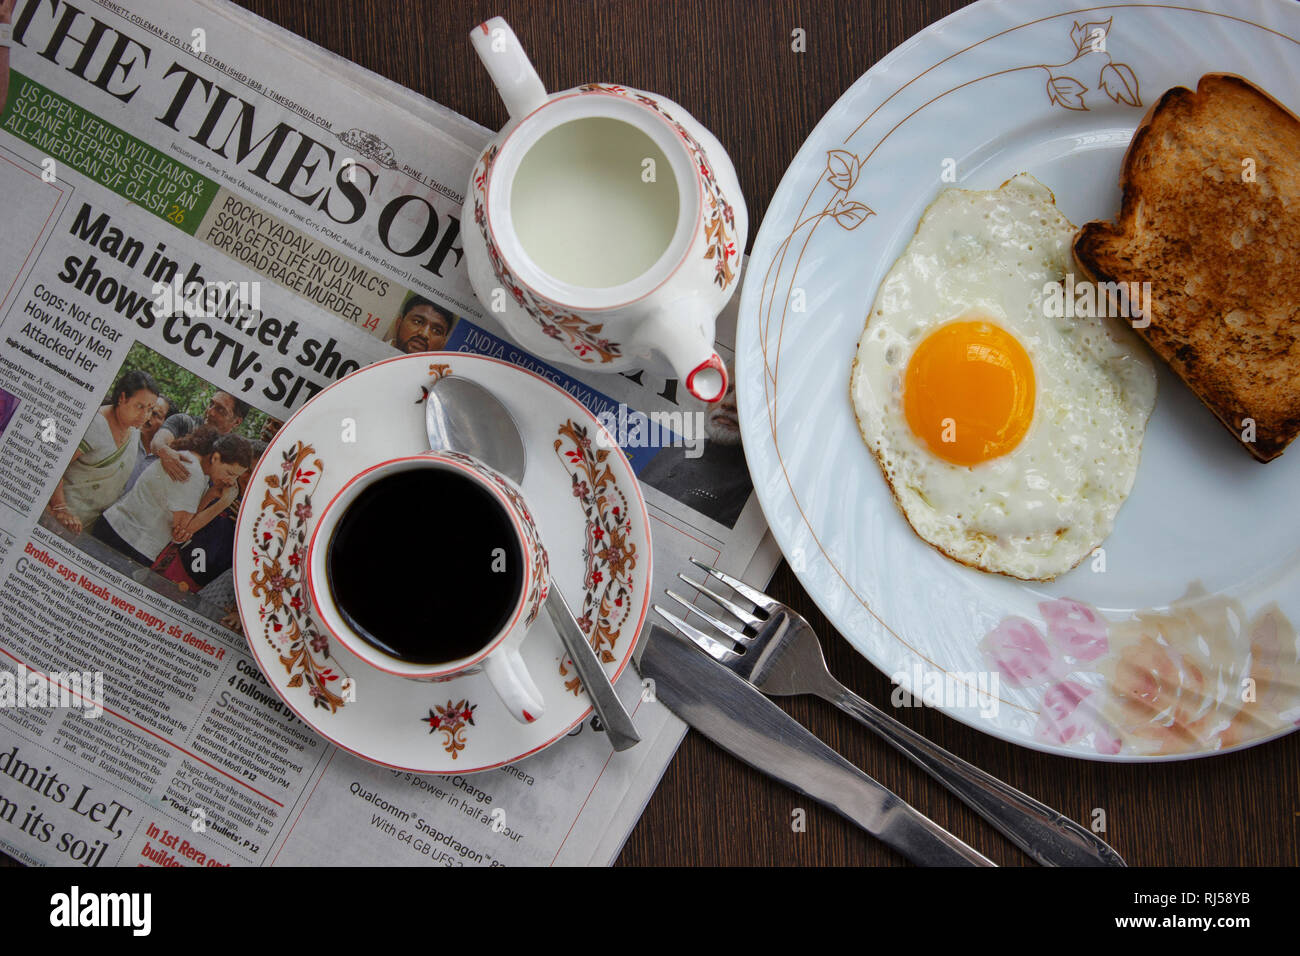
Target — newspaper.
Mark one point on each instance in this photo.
(154, 148)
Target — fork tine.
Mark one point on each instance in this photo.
(727, 629)
(731, 606)
(740, 587)
(715, 649)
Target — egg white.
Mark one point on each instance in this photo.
(1038, 510)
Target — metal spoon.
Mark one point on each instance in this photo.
(461, 415)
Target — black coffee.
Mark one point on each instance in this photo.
(415, 569)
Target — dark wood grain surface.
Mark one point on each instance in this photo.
(730, 64)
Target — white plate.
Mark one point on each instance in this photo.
(993, 90)
(588, 509)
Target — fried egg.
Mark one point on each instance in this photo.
(1009, 437)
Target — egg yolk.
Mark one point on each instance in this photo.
(968, 392)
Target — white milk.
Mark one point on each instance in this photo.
(582, 208)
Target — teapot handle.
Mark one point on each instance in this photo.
(518, 83)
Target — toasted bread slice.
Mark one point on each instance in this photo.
(1211, 218)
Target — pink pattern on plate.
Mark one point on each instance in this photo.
(1017, 649)
(1075, 628)
(1059, 721)
(1065, 718)
(1106, 740)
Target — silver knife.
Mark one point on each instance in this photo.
(743, 722)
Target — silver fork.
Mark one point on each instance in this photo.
(777, 651)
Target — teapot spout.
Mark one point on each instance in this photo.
(518, 83)
(683, 333)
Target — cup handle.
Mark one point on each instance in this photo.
(512, 72)
(512, 682)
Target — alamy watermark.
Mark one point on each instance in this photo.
(629, 428)
(1120, 300)
(208, 300)
(129, 910)
(955, 689)
(69, 690)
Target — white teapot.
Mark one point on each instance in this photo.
(607, 223)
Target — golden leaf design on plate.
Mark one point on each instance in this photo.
(1120, 83)
(1066, 91)
(843, 167)
(850, 215)
(1085, 34)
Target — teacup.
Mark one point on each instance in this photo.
(430, 567)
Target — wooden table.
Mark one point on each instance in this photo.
(730, 64)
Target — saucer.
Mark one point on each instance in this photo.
(589, 511)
